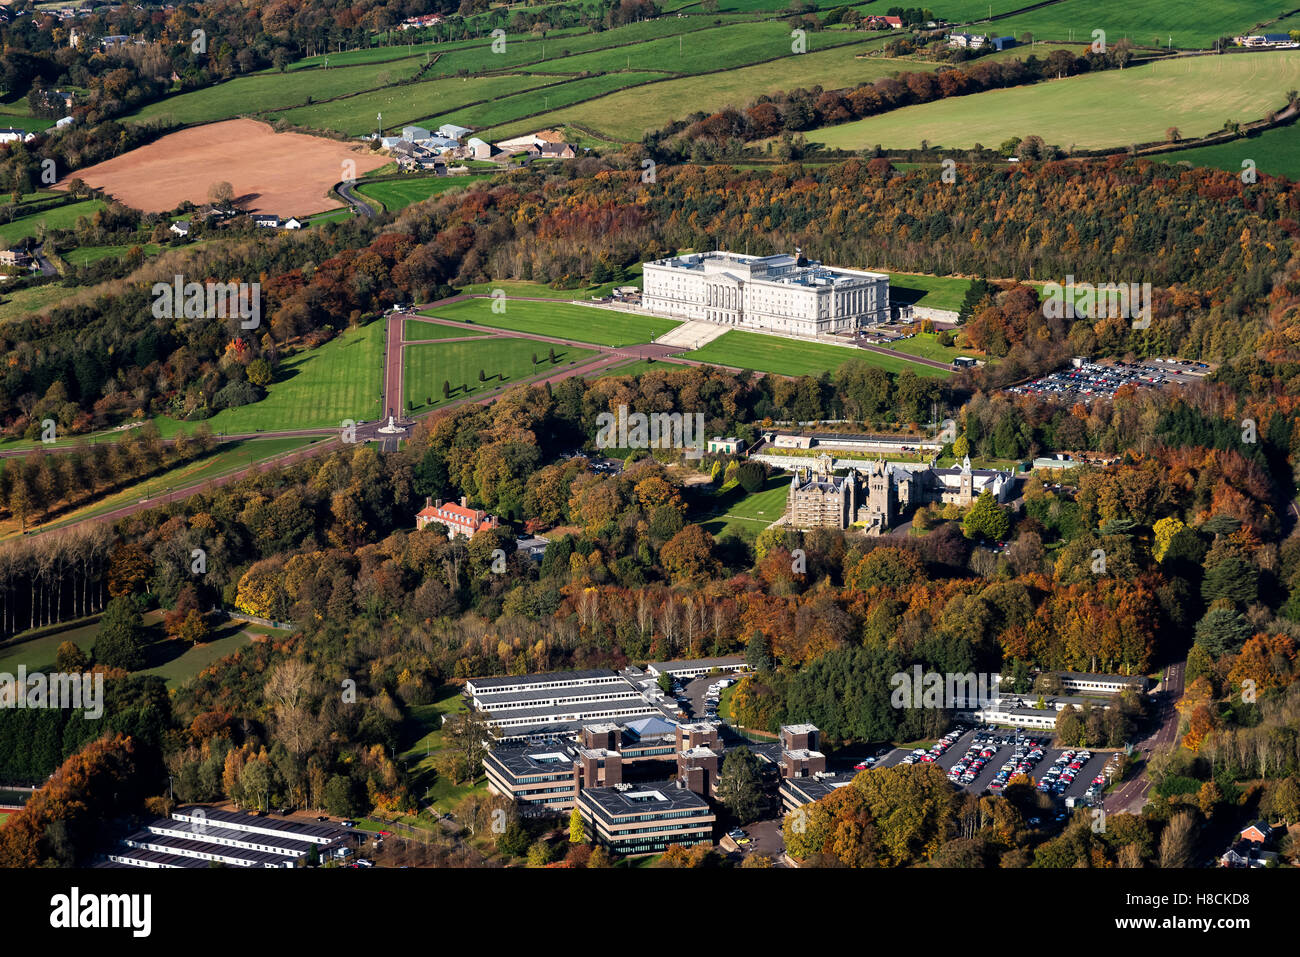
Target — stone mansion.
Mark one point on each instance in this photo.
(783, 294)
(881, 493)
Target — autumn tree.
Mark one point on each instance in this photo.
(688, 555)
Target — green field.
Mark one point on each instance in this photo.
(1096, 110)
(397, 194)
(602, 327)
(518, 288)
(316, 389)
(419, 330)
(932, 292)
(508, 108)
(1275, 152)
(747, 515)
(503, 359)
(170, 660)
(334, 216)
(1151, 23)
(355, 115)
(23, 302)
(59, 217)
(628, 114)
(716, 48)
(275, 91)
(226, 458)
(422, 737)
(789, 357)
(85, 255)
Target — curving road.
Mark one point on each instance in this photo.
(361, 206)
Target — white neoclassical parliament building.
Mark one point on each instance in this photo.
(782, 294)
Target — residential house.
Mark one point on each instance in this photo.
(556, 151)
(16, 256)
(1258, 832)
(459, 519)
(11, 134)
(266, 221)
(1246, 854)
(181, 227)
(419, 23)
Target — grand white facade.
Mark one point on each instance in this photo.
(765, 293)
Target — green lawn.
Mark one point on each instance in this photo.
(1275, 152)
(334, 216)
(85, 255)
(519, 289)
(1095, 110)
(396, 194)
(764, 353)
(172, 661)
(926, 345)
(32, 124)
(932, 292)
(59, 217)
(604, 327)
(744, 514)
(418, 330)
(177, 664)
(316, 389)
(422, 736)
(503, 359)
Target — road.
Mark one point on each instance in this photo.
(47, 268)
(362, 207)
(1132, 795)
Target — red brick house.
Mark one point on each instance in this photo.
(459, 519)
(1257, 831)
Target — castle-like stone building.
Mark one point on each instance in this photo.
(879, 494)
